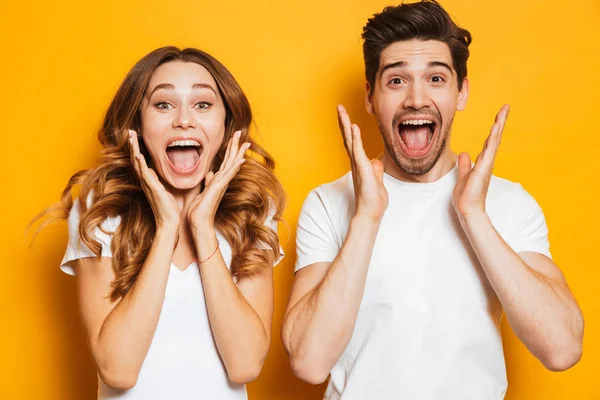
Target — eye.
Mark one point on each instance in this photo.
(395, 81)
(203, 105)
(163, 105)
(437, 79)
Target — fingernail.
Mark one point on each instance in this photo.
(243, 160)
(238, 133)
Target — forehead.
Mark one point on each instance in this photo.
(417, 54)
(183, 75)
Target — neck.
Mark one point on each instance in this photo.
(444, 164)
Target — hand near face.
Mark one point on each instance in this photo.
(471, 189)
(165, 208)
(201, 212)
(371, 196)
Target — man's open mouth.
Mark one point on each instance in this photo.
(416, 136)
(184, 154)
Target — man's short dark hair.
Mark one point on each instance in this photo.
(426, 20)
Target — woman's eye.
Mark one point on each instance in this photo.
(203, 105)
(162, 105)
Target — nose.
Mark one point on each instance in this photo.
(417, 96)
(184, 119)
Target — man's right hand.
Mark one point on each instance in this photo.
(371, 196)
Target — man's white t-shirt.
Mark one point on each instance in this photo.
(182, 362)
(429, 322)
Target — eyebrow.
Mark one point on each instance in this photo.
(403, 64)
(170, 86)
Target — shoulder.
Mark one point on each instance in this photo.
(109, 224)
(509, 202)
(338, 194)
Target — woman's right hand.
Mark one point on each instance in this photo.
(371, 196)
(165, 208)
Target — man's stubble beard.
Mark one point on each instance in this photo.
(410, 166)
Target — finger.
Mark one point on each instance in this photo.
(489, 154)
(502, 117)
(242, 151)
(464, 165)
(134, 150)
(377, 169)
(345, 128)
(358, 152)
(208, 179)
(232, 150)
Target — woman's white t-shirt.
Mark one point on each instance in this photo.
(182, 361)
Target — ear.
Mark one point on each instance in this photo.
(368, 99)
(463, 95)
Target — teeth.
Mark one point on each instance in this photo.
(184, 143)
(417, 122)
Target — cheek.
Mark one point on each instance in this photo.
(386, 107)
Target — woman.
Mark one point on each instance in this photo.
(173, 236)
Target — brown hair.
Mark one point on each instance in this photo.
(113, 188)
(426, 20)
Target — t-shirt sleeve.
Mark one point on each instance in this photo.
(527, 229)
(315, 236)
(76, 249)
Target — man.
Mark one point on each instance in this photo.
(406, 264)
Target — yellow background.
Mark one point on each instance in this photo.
(61, 64)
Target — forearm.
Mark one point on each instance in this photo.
(541, 310)
(127, 332)
(318, 328)
(241, 337)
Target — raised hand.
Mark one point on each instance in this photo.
(165, 208)
(471, 189)
(202, 210)
(371, 196)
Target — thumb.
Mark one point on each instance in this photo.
(464, 164)
(208, 179)
(377, 166)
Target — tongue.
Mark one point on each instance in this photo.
(183, 158)
(416, 138)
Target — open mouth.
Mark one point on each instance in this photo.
(416, 136)
(184, 155)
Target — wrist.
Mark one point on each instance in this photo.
(365, 222)
(206, 247)
(472, 220)
(167, 229)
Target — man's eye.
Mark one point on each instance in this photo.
(203, 105)
(396, 81)
(437, 79)
(162, 105)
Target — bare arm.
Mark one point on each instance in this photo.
(240, 316)
(326, 297)
(119, 333)
(324, 304)
(531, 288)
(538, 303)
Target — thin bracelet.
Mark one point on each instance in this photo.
(209, 257)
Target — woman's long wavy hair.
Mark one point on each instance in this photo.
(113, 189)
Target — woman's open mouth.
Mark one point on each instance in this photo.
(184, 155)
(416, 136)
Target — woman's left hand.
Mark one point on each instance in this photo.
(201, 212)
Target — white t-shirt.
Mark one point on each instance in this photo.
(182, 361)
(429, 322)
